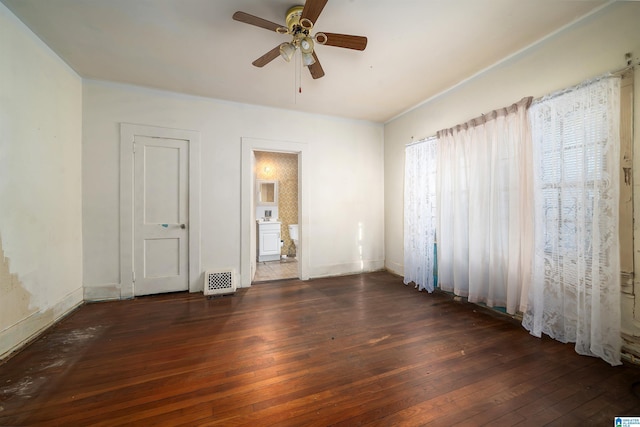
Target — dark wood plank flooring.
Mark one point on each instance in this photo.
(354, 350)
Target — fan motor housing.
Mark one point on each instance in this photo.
(293, 19)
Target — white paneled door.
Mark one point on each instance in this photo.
(161, 203)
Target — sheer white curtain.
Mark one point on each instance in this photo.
(484, 208)
(420, 213)
(575, 290)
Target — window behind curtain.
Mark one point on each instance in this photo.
(420, 214)
(575, 289)
(484, 208)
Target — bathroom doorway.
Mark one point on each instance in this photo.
(277, 259)
(248, 218)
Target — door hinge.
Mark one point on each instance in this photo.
(134, 146)
(133, 275)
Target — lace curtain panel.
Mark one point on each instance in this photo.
(484, 208)
(575, 289)
(420, 214)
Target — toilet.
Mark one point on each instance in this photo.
(293, 233)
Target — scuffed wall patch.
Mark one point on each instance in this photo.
(14, 298)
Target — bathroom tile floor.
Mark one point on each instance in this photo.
(276, 270)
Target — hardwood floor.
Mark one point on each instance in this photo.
(355, 350)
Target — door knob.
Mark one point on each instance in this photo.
(183, 226)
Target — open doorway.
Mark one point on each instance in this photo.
(248, 220)
(276, 203)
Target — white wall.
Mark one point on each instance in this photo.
(345, 170)
(590, 48)
(40, 187)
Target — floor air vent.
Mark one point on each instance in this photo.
(219, 282)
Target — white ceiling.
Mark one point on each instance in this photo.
(416, 48)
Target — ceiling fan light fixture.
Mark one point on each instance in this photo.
(306, 44)
(300, 21)
(308, 59)
(287, 50)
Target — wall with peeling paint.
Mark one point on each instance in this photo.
(40, 185)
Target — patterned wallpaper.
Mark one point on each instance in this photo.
(282, 167)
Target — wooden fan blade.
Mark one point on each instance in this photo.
(316, 69)
(267, 57)
(254, 20)
(346, 41)
(312, 9)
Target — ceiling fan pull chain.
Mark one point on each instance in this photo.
(299, 72)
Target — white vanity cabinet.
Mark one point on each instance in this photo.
(268, 235)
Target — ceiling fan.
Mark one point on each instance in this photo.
(299, 24)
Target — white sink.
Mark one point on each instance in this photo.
(267, 221)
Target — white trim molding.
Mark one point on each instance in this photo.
(247, 216)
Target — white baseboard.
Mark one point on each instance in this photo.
(24, 331)
(365, 266)
(102, 292)
(395, 268)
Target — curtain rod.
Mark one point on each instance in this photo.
(420, 141)
(585, 82)
(620, 71)
(623, 70)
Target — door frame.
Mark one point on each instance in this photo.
(247, 215)
(127, 136)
